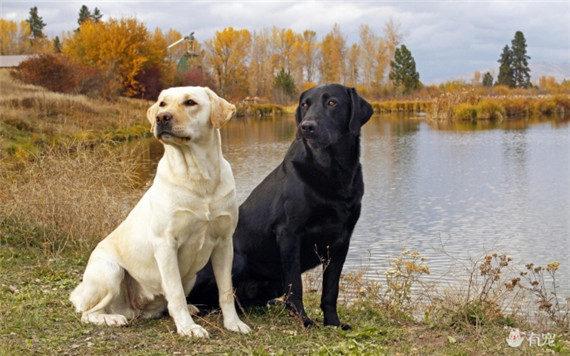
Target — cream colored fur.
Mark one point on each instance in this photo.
(149, 262)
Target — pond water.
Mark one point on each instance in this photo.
(451, 193)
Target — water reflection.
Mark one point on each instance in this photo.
(452, 192)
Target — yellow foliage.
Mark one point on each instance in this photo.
(332, 52)
(227, 54)
(14, 37)
(308, 85)
(123, 46)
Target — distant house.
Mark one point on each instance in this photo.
(10, 61)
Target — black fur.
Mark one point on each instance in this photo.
(303, 213)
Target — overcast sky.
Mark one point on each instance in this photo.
(447, 39)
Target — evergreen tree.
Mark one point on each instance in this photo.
(96, 15)
(284, 85)
(521, 71)
(57, 45)
(84, 14)
(36, 24)
(506, 68)
(487, 80)
(403, 70)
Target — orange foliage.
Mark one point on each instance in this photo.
(124, 46)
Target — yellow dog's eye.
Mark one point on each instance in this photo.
(162, 104)
(190, 102)
(332, 103)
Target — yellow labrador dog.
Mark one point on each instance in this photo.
(188, 215)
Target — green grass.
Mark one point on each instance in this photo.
(36, 317)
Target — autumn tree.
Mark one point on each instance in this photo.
(284, 42)
(36, 24)
(123, 47)
(353, 65)
(506, 68)
(487, 80)
(308, 55)
(332, 56)
(376, 54)
(391, 37)
(520, 68)
(261, 65)
(14, 37)
(227, 54)
(403, 70)
(369, 48)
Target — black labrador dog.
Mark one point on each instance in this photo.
(303, 213)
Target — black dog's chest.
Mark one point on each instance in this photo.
(326, 224)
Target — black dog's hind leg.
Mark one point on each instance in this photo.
(332, 269)
(289, 249)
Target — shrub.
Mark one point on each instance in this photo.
(465, 112)
(150, 82)
(57, 73)
(195, 77)
(50, 71)
(490, 110)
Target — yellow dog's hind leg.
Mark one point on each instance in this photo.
(100, 291)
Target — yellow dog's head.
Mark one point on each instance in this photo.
(185, 114)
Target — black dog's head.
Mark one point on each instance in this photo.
(328, 112)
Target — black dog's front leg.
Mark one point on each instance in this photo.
(289, 249)
(331, 276)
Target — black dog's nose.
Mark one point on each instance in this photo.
(163, 118)
(308, 126)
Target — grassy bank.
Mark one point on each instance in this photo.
(258, 110)
(33, 119)
(37, 318)
(456, 107)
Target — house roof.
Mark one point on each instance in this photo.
(12, 60)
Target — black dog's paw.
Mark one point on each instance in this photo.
(337, 323)
(308, 323)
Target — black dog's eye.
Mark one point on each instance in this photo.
(304, 105)
(332, 103)
(162, 104)
(190, 102)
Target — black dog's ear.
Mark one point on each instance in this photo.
(361, 112)
(298, 117)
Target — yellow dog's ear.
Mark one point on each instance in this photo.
(221, 110)
(151, 115)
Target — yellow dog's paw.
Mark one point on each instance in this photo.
(194, 330)
(237, 326)
(105, 319)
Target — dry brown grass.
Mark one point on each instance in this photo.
(68, 200)
(33, 118)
